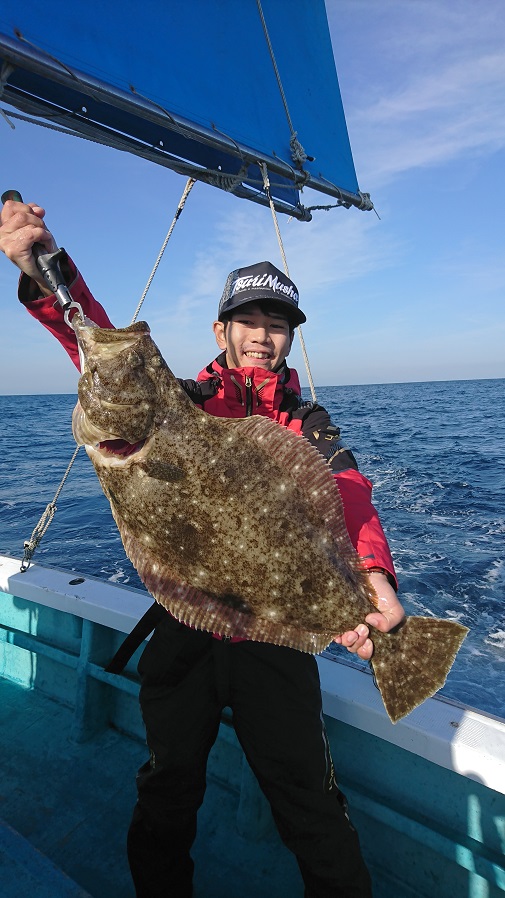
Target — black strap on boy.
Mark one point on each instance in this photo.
(141, 631)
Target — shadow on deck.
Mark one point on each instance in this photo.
(67, 807)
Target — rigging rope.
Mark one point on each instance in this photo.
(366, 203)
(298, 153)
(189, 185)
(266, 183)
(45, 520)
(7, 70)
(216, 178)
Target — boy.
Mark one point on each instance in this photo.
(189, 676)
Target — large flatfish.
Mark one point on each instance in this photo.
(235, 525)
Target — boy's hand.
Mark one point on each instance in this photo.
(389, 614)
(22, 225)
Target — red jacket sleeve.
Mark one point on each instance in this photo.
(361, 518)
(48, 311)
(362, 522)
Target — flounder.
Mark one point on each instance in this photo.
(235, 525)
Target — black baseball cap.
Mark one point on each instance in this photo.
(257, 283)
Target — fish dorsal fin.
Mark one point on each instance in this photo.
(308, 468)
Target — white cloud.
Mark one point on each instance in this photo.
(438, 86)
(337, 246)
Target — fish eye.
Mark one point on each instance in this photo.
(134, 359)
(156, 361)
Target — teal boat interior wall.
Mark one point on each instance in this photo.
(426, 831)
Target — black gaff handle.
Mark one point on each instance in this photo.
(47, 263)
(13, 195)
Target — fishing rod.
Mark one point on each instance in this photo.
(47, 263)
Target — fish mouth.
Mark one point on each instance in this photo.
(108, 444)
(119, 448)
(115, 452)
(106, 447)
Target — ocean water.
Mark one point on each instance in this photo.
(434, 451)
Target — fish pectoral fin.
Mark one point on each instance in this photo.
(411, 663)
(161, 470)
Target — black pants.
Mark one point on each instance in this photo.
(187, 678)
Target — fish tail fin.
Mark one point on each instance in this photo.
(412, 662)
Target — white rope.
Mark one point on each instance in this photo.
(189, 184)
(6, 118)
(45, 520)
(266, 184)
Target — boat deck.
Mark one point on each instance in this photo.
(66, 806)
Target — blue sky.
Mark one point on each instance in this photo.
(413, 296)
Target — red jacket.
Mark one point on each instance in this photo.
(236, 393)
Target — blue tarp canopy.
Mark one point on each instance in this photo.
(190, 85)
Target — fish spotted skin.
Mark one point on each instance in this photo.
(235, 525)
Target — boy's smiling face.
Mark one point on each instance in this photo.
(255, 335)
